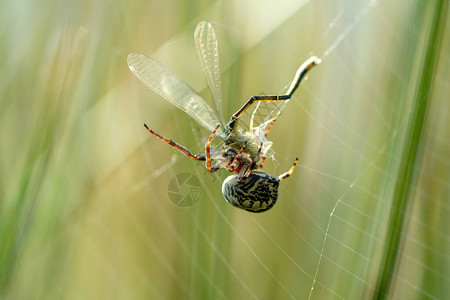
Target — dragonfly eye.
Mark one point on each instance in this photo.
(256, 193)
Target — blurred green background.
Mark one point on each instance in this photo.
(84, 207)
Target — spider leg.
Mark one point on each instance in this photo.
(259, 151)
(263, 160)
(243, 173)
(269, 127)
(177, 146)
(301, 72)
(252, 167)
(208, 153)
(288, 173)
(236, 158)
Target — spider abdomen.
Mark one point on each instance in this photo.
(256, 193)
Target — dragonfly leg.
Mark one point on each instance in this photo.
(301, 72)
(178, 147)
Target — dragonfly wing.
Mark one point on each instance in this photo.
(207, 49)
(168, 85)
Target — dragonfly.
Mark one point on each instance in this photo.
(243, 150)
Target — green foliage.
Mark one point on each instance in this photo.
(84, 205)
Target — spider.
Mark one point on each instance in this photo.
(243, 152)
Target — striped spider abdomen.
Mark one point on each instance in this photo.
(256, 193)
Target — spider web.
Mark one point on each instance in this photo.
(338, 204)
(326, 236)
(99, 208)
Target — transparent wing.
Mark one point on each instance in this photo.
(168, 85)
(207, 49)
(261, 115)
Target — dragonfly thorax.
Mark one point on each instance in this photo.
(236, 141)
